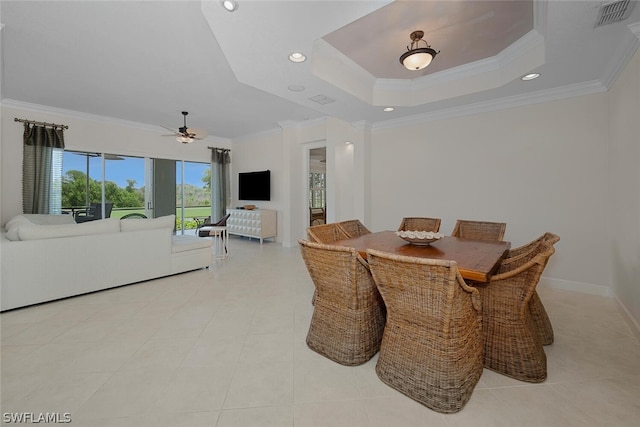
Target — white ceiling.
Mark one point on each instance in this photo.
(147, 61)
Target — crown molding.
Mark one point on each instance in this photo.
(44, 109)
(627, 50)
(570, 91)
(635, 29)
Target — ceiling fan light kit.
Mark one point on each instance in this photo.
(184, 139)
(417, 58)
(187, 135)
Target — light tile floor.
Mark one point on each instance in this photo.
(226, 347)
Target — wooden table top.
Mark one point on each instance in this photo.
(477, 259)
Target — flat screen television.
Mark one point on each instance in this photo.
(254, 185)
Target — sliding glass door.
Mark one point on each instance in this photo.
(193, 195)
(124, 182)
(93, 179)
(81, 180)
(126, 185)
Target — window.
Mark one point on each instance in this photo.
(126, 183)
(317, 190)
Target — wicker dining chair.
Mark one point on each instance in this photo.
(512, 345)
(526, 249)
(349, 314)
(431, 348)
(519, 256)
(354, 228)
(479, 230)
(419, 224)
(326, 233)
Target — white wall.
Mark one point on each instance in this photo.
(624, 189)
(262, 152)
(87, 133)
(567, 166)
(538, 168)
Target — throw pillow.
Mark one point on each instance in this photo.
(36, 232)
(15, 221)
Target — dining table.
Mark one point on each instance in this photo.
(477, 260)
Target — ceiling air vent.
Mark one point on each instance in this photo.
(614, 11)
(322, 100)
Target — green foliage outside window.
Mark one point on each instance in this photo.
(74, 188)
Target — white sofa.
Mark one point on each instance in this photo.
(48, 257)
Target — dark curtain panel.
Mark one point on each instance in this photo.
(39, 167)
(219, 182)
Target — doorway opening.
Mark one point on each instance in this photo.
(317, 186)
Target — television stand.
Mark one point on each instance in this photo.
(256, 223)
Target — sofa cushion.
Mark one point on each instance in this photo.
(39, 219)
(188, 243)
(42, 219)
(34, 219)
(133, 224)
(36, 232)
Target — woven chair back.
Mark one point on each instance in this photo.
(349, 314)
(479, 230)
(326, 233)
(512, 342)
(354, 228)
(419, 224)
(525, 253)
(520, 256)
(432, 345)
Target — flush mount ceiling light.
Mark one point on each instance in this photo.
(230, 5)
(530, 76)
(388, 109)
(417, 58)
(297, 57)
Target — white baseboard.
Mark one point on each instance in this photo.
(569, 285)
(633, 323)
(592, 289)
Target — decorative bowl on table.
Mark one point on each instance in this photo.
(419, 238)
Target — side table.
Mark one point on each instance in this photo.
(220, 236)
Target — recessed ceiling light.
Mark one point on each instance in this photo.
(348, 142)
(297, 57)
(531, 76)
(230, 5)
(296, 88)
(387, 109)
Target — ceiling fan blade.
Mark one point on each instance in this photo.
(197, 133)
(170, 129)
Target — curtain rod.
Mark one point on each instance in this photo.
(53, 125)
(221, 149)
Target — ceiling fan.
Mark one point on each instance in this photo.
(187, 135)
